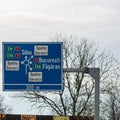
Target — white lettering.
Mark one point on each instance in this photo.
(56, 60)
(26, 52)
(51, 67)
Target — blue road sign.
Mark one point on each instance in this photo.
(32, 66)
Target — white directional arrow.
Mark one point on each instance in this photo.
(27, 62)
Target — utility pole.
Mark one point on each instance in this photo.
(95, 74)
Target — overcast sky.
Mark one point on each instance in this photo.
(39, 20)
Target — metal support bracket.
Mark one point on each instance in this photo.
(95, 74)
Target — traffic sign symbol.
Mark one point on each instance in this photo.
(17, 48)
(27, 62)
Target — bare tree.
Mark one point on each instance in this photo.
(3, 107)
(112, 102)
(77, 96)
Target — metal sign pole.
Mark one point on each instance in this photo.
(95, 74)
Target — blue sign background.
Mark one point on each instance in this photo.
(22, 56)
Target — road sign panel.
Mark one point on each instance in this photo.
(32, 66)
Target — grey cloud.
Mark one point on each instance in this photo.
(33, 19)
